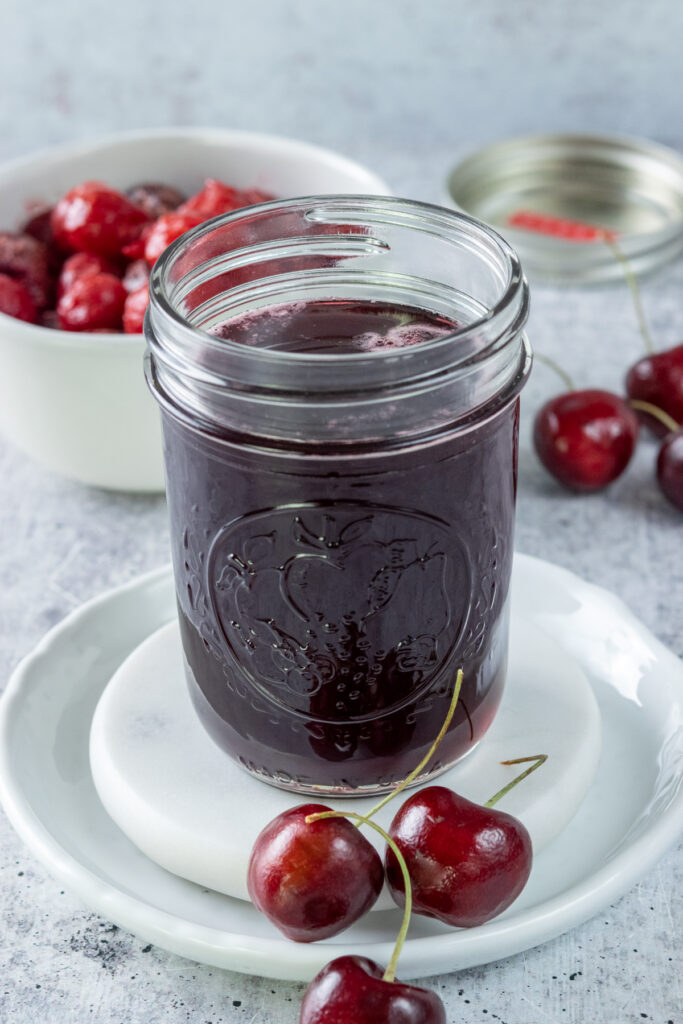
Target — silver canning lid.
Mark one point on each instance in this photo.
(551, 195)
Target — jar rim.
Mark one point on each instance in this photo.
(437, 259)
(437, 216)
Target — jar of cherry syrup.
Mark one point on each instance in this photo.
(339, 381)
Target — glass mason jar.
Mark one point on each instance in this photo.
(341, 519)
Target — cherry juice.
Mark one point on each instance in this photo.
(329, 593)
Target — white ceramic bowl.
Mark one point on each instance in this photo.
(78, 402)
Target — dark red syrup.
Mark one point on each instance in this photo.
(327, 601)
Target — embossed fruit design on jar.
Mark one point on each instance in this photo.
(339, 382)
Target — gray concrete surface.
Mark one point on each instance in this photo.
(407, 88)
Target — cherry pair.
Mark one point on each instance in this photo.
(313, 873)
(585, 439)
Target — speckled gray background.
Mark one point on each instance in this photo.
(405, 87)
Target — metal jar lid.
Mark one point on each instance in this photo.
(555, 196)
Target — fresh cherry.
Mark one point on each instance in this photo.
(670, 468)
(25, 259)
(155, 198)
(585, 439)
(658, 378)
(352, 990)
(16, 301)
(95, 218)
(313, 880)
(467, 863)
(92, 303)
(134, 310)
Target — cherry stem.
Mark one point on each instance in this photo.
(654, 410)
(539, 759)
(390, 972)
(566, 379)
(619, 255)
(428, 756)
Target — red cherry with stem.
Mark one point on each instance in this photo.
(467, 862)
(313, 879)
(585, 439)
(657, 378)
(351, 990)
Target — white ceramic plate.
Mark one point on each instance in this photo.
(177, 796)
(632, 813)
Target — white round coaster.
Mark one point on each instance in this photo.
(193, 811)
